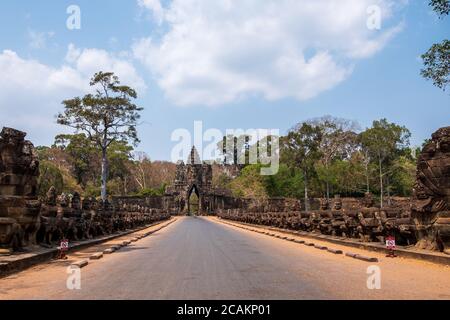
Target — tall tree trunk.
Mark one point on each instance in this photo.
(366, 164)
(328, 181)
(367, 177)
(144, 181)
(388, 191)
(381, 182)
(104, 174)
(306, 192)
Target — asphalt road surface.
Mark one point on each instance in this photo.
(200, 258)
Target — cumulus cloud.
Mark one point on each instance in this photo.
(89, 61)
(32, 91)
(216, 52)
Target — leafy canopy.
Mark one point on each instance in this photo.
(442, 7)
(437, 64)
(108, 115)
(437, 59)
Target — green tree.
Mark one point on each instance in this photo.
(250, 183)
(403, 176)
(288, 182)
(151, 192)
(55, 171)
(437, 59)
(437, 64)
(234, 149)
(300, 148)
(49, 176)
(82, 152)
(383, 141)
(346, 176)
(105, 117)
(337, 141)
(119, 158)
(442, 7)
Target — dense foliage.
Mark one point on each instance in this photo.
(318, 158)
(105, 118)
(328, 156)
(437, 59)
(73, 163)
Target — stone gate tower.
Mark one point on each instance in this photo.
(194, 176)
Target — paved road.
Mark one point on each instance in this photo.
(199, 258)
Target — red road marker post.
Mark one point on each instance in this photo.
(390, 245)
(63, 248)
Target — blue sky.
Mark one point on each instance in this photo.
(230, 64)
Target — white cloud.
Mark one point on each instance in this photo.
(32, 92)
(38, 40)
(155, 7)
(89, 61)
(215, 52)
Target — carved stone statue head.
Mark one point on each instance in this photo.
(368, 200)
(51, 196)
(63, 200)
(76, 201)
(324, 204)
(337, 202)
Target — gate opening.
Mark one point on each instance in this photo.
(194, 202)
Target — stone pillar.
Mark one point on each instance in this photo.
(19, 205)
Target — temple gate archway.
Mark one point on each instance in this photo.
(192, 178)
(193, 201)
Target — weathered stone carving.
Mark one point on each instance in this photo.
(24, 221)
(194, 176)
(362, 224)
(19, 205)
(426, 223)
(431, 205)
(50, 230)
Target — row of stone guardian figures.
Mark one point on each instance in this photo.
(368, 224)
(67, 216)
(425, 222)
(27, 221)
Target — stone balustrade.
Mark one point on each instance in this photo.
(366, 223)
(26, 221)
